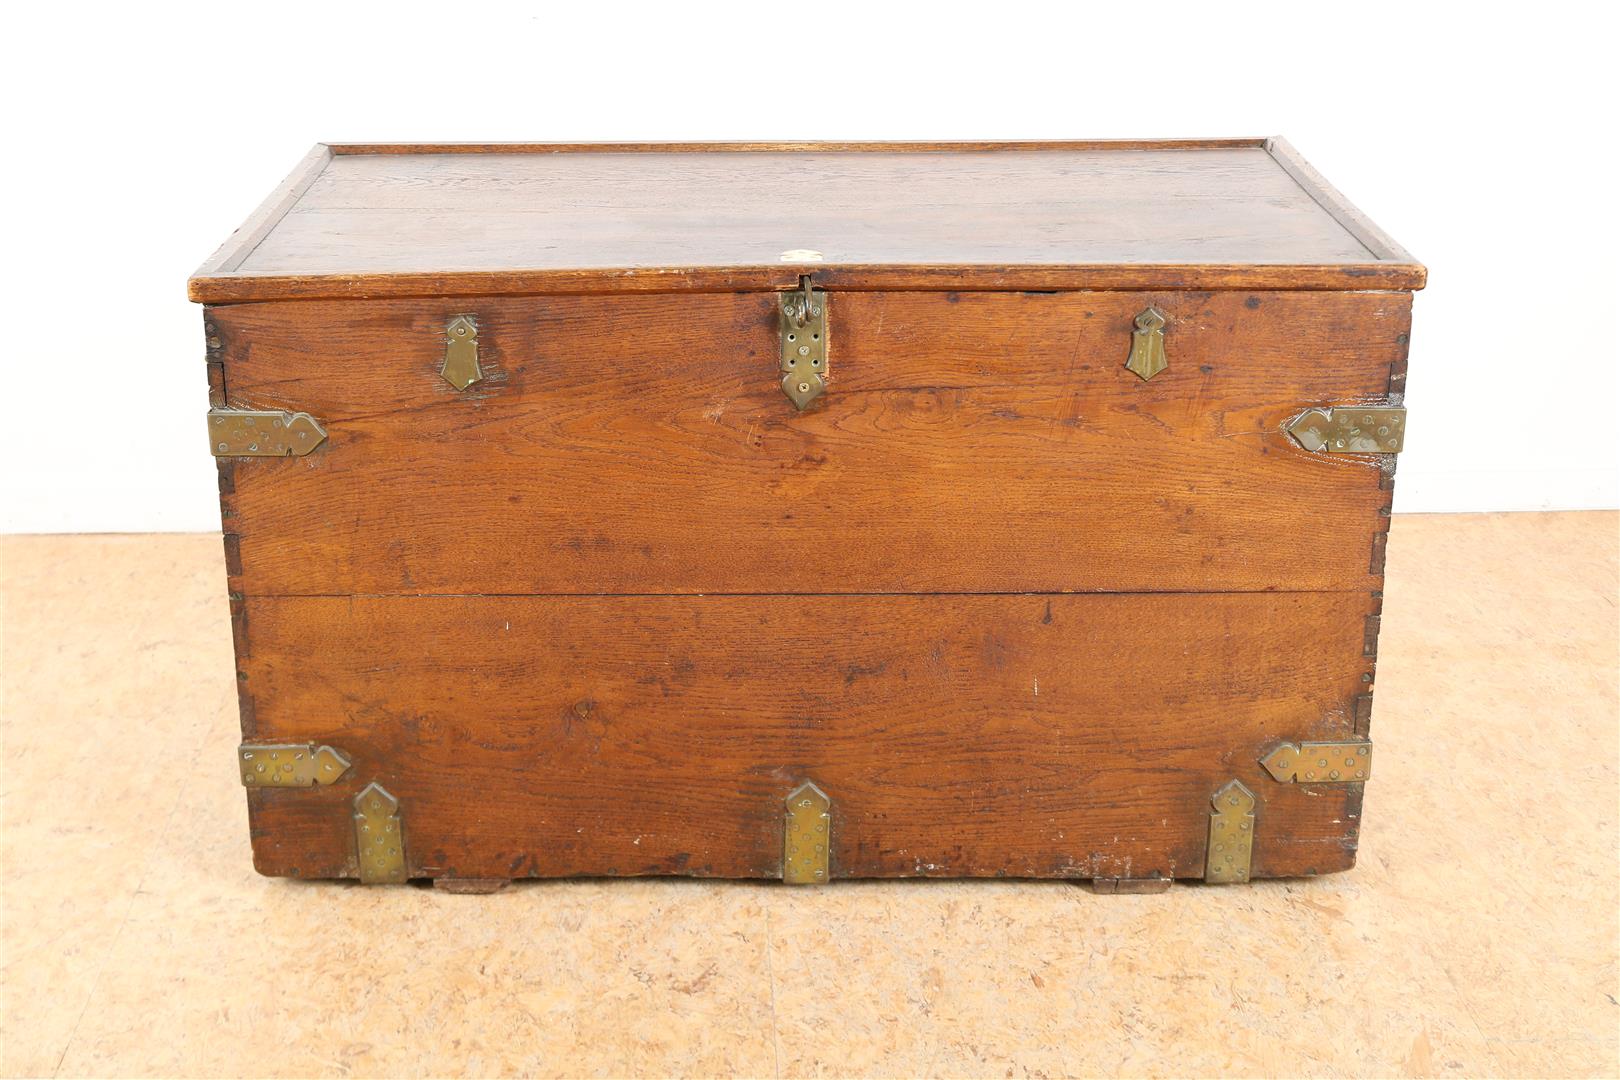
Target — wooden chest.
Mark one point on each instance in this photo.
(806, 511)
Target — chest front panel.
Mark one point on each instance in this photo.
(620, 584)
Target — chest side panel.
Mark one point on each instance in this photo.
(981, 442)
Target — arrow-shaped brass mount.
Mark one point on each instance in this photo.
(807, 836)
(244, 433)
(379, 836)
(1231, 835)
(1320, 762)
(1353, 429)
(289, 764)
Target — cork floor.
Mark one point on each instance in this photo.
(1477, 936)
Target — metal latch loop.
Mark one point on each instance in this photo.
(804, 343)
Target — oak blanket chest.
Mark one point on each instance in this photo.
(806, 511)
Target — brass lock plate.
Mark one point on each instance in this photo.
(242, 433)
(1147, 356)
(1354, 429)
(460, 368)
(804, 343)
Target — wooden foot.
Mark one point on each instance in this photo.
(1114, 886)
(473, 885)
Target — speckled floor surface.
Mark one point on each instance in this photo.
(1478, 935)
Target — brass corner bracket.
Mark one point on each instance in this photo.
(1348, 762)
(1147, 356)
(807, 836)
(804, 343)
(289, 764)
(379, 836)
(1354, 429)
(1231, 835)
(246, 433)
(460, 368)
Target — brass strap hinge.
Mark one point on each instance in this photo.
(806, 836)
(379, 836)
(804, 343)
(242, 433)
(1231, 835)
(1347, 762)
(1351, 429)
(289, 764)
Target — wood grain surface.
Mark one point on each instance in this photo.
(400, 221)
(1025, 736)
(969, 443)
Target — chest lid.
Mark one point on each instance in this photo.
(362, 220)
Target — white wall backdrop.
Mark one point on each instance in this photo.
(140, 135)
